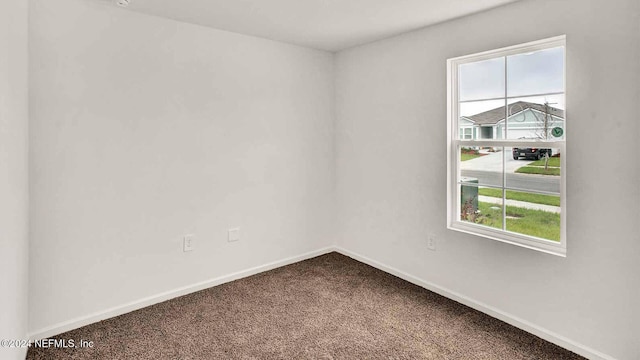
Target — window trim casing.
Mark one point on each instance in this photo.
(453, 157)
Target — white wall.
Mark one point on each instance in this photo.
(391, 170)
(14, 244)
(144, 129)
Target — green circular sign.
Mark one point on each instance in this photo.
(557, 131)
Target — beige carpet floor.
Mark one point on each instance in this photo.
(328, 307)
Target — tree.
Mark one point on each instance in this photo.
(545, 123)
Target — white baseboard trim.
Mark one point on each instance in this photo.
(536, 330)
(487, 309)
(167, 295)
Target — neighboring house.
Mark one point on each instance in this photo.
(525, 121)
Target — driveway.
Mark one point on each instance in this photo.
(493, 162)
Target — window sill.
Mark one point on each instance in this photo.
(545, 246)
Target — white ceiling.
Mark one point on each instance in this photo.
(322, 24)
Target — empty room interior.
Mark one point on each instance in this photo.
(323, 179)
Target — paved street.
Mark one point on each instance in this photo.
(520, 181)
(488, 170)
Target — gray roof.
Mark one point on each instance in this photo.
(496, 115)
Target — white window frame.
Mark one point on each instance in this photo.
(453, 154)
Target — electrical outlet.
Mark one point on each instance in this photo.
(188, 243)
(431, 242)
(234, 235)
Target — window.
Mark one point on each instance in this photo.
(506, 148)
(466, 133)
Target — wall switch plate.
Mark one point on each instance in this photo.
(431, 242)
(188, 243)
(234, 234)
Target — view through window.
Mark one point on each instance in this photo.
(507, 121)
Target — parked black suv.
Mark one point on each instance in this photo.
(530, 153)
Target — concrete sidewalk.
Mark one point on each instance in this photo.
(520, 204)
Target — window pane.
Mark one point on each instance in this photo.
(540, 118)
(481, 79)
(537, 72)
(533, 214)
(482, 166)
(480, 205)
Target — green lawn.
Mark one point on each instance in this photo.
(469, 153)
(467, 156)
(538, 170)
(537, 223)
(553, 161)
(522, 196)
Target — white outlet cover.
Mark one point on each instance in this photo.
(188, 243)
(234, 234)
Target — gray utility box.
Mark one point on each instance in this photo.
(469, 193)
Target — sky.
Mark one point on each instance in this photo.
(538, 72)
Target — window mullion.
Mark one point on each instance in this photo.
(504, 160)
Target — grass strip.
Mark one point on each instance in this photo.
(467, 156)
(538, 170)
(553, 161)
